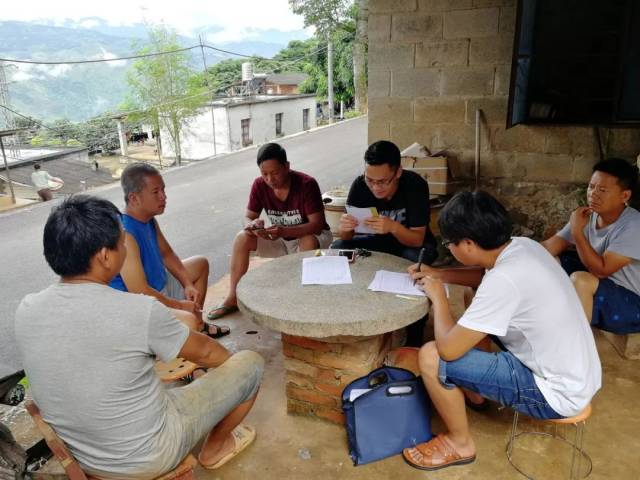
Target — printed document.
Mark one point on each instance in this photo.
(325, 270)
(394, 282)
(361, 214)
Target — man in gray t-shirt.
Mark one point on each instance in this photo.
(605, 268)
(89, 351)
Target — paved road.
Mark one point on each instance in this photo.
(206, 201)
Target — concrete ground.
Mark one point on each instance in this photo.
(294, 447)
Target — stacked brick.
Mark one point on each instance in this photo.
(317, 371)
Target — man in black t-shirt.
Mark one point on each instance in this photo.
(402, 200)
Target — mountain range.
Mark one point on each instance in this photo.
(79, 92)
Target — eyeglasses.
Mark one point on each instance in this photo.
(447, 243)
(379, 183)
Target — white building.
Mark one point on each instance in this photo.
(242, 121)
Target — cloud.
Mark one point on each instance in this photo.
(106, 56)
(185, 16)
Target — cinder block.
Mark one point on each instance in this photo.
(379, 82)
(390, 109)
(436, 54)
(467, 81)
(502, 78)
(462, 137)
(493, 3)
(501, 165)
(582, 168)
(391, 56)
(491, 50)
(377, 130)
(478, 22)
(494, 110)
(546, 167)
(379, 28)
(412, 27)
(404, 134)
(429, 6)
(392, 6)
(415, 82)
(518, 139)
(507, 20)
(571, 140)
(624, 142)
(439, 111)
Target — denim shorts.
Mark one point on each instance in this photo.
(500, 377)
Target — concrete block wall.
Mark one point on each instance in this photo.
(432, 63)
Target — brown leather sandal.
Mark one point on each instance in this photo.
(438, 447)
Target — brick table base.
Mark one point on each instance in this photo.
(317, 370)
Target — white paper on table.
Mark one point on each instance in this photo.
(325, 270)
(361, 214)
(356, 392)
(394, 282)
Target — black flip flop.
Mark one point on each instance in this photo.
(219, 330)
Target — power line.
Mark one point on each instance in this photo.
(99, 60)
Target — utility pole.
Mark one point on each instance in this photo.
(206, 80)
(330, 76)
(7, 133)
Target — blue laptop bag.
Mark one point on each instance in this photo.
(394, 414)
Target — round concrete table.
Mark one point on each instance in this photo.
(332, 334)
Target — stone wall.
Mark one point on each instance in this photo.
(432, 63)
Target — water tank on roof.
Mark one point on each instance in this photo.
(247, 71)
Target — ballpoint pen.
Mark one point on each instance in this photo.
(420, 260)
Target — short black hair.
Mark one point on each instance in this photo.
(272, 151)
(626, 173)
(382, 152)
(476, 216)
(76, 230)
(36, 166)
(133, 178)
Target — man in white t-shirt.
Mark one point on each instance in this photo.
(549, 367)
(40, 179)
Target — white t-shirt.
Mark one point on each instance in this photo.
(40, 179)
(528, 301)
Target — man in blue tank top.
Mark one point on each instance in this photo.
(152, 267)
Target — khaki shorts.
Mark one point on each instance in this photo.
(281, 247)
(193, 410)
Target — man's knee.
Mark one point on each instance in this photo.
(308, 242)
(429, 360)
(244, 241)
(339, 244)
(199, 264)
(585, 282)
(250, 365)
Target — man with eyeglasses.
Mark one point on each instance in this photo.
(402, 200)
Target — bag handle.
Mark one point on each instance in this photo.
(400, 389)
(377, 377)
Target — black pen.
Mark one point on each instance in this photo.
(420, 260)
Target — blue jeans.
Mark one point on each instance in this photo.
(500, 377)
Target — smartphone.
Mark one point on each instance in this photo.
(350, 254)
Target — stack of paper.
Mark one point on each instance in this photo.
(361, 214)
(394, 282)
(325, 270)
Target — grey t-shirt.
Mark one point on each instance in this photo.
(88, 351)
(621, 237)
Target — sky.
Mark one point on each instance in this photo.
(239, 19)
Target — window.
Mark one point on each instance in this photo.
(246, 134)
(278, 124)
(305, 119)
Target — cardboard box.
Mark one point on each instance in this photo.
(434, 170)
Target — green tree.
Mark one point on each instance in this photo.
(162, 86)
